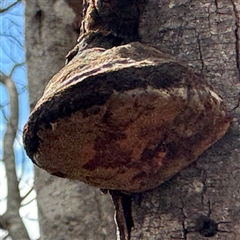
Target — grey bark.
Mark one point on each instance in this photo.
(67, 209)
(204, 35)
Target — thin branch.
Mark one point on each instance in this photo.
(23, 167)
(15, 226)
(6, 237)
(3, 223)
(15, 67)
(4, 234)
(2, 106)
(25, 204)
(14, 39)
(14, 23)
(2, 10)
(28, 193)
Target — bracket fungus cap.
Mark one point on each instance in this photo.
(127, 118)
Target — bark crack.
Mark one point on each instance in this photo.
(235, 10)
(120, 19)
(200, 51)
(38, 17)
(216, 3)
(99, 210)
(184, 228)
(204, 181)
(123, 208)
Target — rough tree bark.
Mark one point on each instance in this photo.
(67, 209)
(201, 201)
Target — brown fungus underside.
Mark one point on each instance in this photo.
(127, 118)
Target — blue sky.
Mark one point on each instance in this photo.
(12, 53)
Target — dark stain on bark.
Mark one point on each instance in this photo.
(38, 18)
(38, 15)
(99, 39)
(59, 174)
(109, 23)
(206, 227)
(118, 17)
(123, 207)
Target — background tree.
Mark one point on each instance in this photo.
(11, 220)
(202, 201)
(15, 177)
(67, 209)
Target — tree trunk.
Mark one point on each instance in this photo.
(202, 200)
(67, 209)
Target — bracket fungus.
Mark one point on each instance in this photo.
(127, 118)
